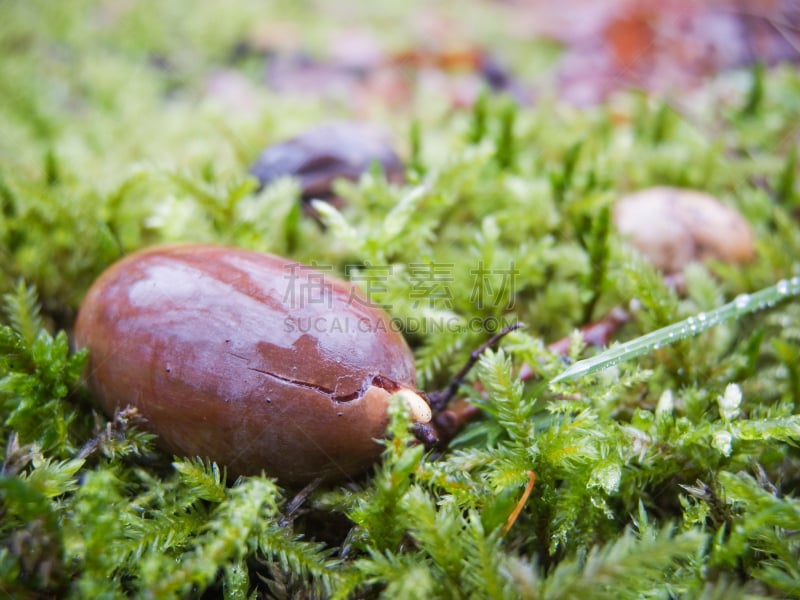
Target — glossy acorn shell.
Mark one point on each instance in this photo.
(249, 359)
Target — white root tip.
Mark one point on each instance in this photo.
(420, 410)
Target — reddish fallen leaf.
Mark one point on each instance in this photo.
(631, 38)
(658, 46)
(465, 59)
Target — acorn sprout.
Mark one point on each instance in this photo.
(226, 354)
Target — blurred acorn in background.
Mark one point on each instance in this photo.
(328, 152)
(673, 227)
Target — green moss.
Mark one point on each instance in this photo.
(654, 478)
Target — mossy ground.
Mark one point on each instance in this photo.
(653, 478)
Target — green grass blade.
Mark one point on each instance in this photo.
(741, 305)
